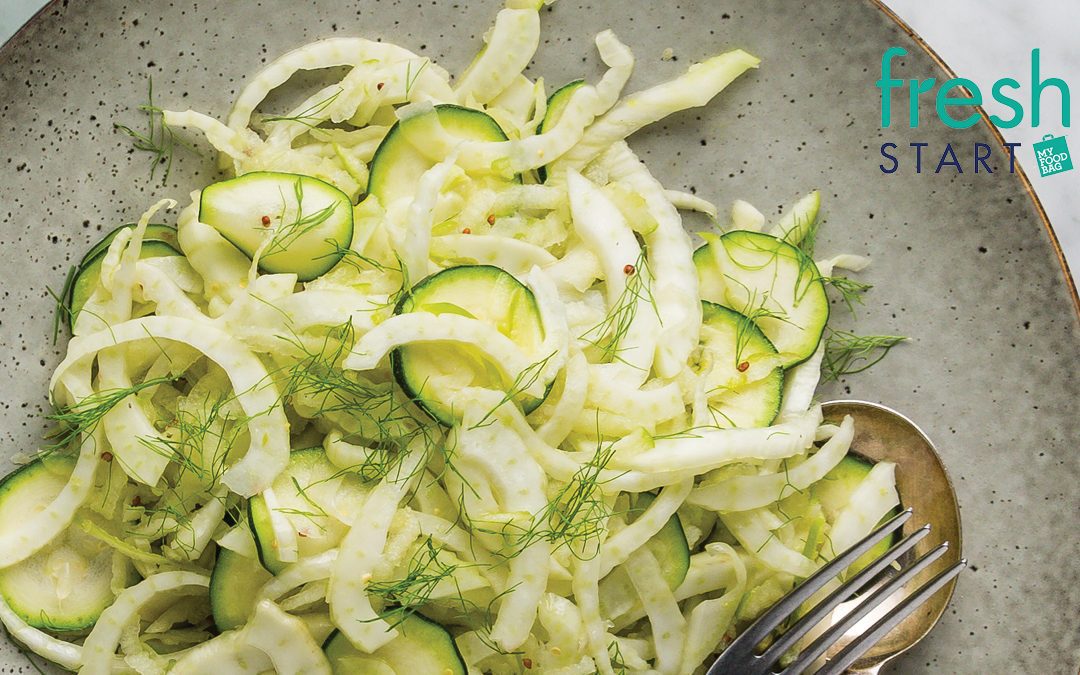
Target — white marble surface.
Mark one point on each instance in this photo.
(983, 40)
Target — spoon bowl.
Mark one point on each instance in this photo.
(882, 434)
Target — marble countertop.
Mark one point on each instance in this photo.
(983, 40)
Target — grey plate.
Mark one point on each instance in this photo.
(965, 265)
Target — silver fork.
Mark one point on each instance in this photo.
(740, 658)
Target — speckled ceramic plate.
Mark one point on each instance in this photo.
(966, 266)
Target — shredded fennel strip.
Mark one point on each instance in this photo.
(358, 557)
(742, 493)
(710, 620)
(675, 289)
(693, 89)
(101, 644)
(513, 41)
(623, 543)
(667, 621)
(64, 654)
(607, 234)
(423, 327)
(254, 392)
(520, 483)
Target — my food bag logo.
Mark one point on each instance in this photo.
(1052, 153)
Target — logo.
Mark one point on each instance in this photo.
(1052, 154)
(953, 104)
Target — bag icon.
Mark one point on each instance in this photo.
(1052, 154)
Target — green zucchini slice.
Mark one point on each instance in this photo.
(397, 165)
(302, 224)
(234, 588)
(772, 282)
(431, 373)
(745, 381)
(669, 545)
(556, 104)
(88, 274)
(66, 586)
(421, 647)
(310, 499)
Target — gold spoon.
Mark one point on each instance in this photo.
(882, 434)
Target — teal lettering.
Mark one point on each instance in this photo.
(1037, 87)
(917, 87)
(887, 83)
(1003, 98)
(944, 100)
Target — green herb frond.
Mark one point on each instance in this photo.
(355, 259)
(847, 353)
(575, 517)
(158, 140)
(62, 314)
(752, 311)
(773, 534)
(287, 233)
(199, 438)
(411, 77)
(524, 380)
(609, 333)
(617, 660)
(311, 116)
(851, 291)
(809, 241)
(689, 432)
(784, 490)
(424, 574)
(83, 417)
(383, 416)
(317, 516)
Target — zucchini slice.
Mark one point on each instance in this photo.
(421, 647)
(154, 232)
(311, 502)
(669, 545)
(772, 282)
(88, 274)
(745, 382)
(432, 373)
(234, 588)
(397, 165)
(308, 222)
(833, 492)
(67, 585)
(556, 104)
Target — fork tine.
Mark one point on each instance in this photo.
(830, 636)
(743, 647)
(849, 588)
(851, 653)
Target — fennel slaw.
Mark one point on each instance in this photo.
(192, 380)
